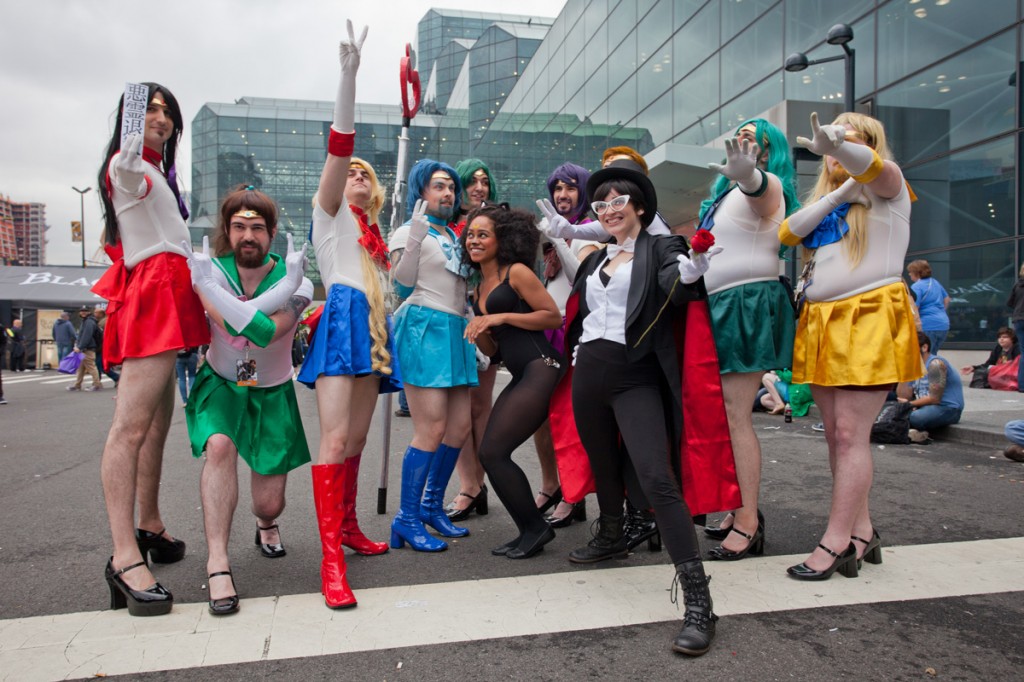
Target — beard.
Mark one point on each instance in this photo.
(837, 177)
(444, 213)
(249, 260)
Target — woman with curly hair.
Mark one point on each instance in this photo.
(512, 310)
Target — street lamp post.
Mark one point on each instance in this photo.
(840, 34)
(81, 197)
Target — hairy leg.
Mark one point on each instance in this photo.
(151, 461)
(429, 408)
(218, 489)
(141, 391)
(268, 502)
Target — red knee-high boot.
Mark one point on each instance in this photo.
(351, 535)
(329, 498)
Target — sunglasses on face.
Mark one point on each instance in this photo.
(616, 204)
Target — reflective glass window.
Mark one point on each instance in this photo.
(913, 34)
(622, 61)
(621, 22)
(763, 39)
(753, 102)
(655, 28)
(695, 97)
(808, 21)
(960, 101)
(978, 281)
(827, 82)
(622, 103)
(593, 17)
(657, 119)
(962, 198)
(737, 14)
(692, 44)
(655, 76)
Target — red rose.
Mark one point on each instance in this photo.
(702, 241)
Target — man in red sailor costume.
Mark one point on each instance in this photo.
(152, 313)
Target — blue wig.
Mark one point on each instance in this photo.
(780, 164)
(574, 175)
(419, 176)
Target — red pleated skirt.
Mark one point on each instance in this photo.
(151, 309)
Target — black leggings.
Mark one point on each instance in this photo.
(517, 413)
(613, 397)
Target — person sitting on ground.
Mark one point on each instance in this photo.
(1015, 433)
(775, 395)
(1006, 350)
(938, 396)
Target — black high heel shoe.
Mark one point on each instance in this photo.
(578, 513)
(845, 563)
(872, 550)
(755, 546)
(552, 499)
(154, 601)
(271, 550)
(225, 605)
(719, 533)
(478, 504)
(160, 549)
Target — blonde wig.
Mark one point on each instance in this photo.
(872, 133)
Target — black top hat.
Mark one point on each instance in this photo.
(626, 169)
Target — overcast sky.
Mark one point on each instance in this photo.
(65, 63)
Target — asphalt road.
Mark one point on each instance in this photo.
(54, 543)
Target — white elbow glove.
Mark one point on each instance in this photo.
(277, 296)
(407, 269)
(129, 168)
(349, 52)
(240, 317)
(803, 222)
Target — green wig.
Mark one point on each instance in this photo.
(780, 164)
(467, 167)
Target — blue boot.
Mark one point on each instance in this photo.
(432, 510)
(406, 526)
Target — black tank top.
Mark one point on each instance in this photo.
(518, 346)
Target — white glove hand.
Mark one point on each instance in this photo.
(200, 264)
(129, 168)
(557, 225)
(740, 163)
(693, 268)
(482, 361)
(295, 262)
(349, 51)
(418, 223)
(238, 314)
(544, 229)
(575, 351)
(825, 139)
(277, 296)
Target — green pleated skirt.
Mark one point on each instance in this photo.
(263, 423)
(754, 325)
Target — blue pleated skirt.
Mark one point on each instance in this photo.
(431, 349)
(342, 342)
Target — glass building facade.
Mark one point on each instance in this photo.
(671, 78)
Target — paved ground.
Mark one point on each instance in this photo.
(947, 599)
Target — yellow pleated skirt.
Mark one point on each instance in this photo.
(864, 340)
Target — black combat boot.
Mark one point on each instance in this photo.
(699, 621)
(609, 543)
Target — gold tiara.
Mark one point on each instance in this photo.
(247, 213)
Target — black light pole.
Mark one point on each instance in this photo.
(840, 34)
(81, 196)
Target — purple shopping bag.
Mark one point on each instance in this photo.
(70, 363)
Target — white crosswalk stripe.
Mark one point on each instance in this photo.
(297, 626)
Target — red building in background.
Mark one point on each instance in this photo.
(22, 233)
